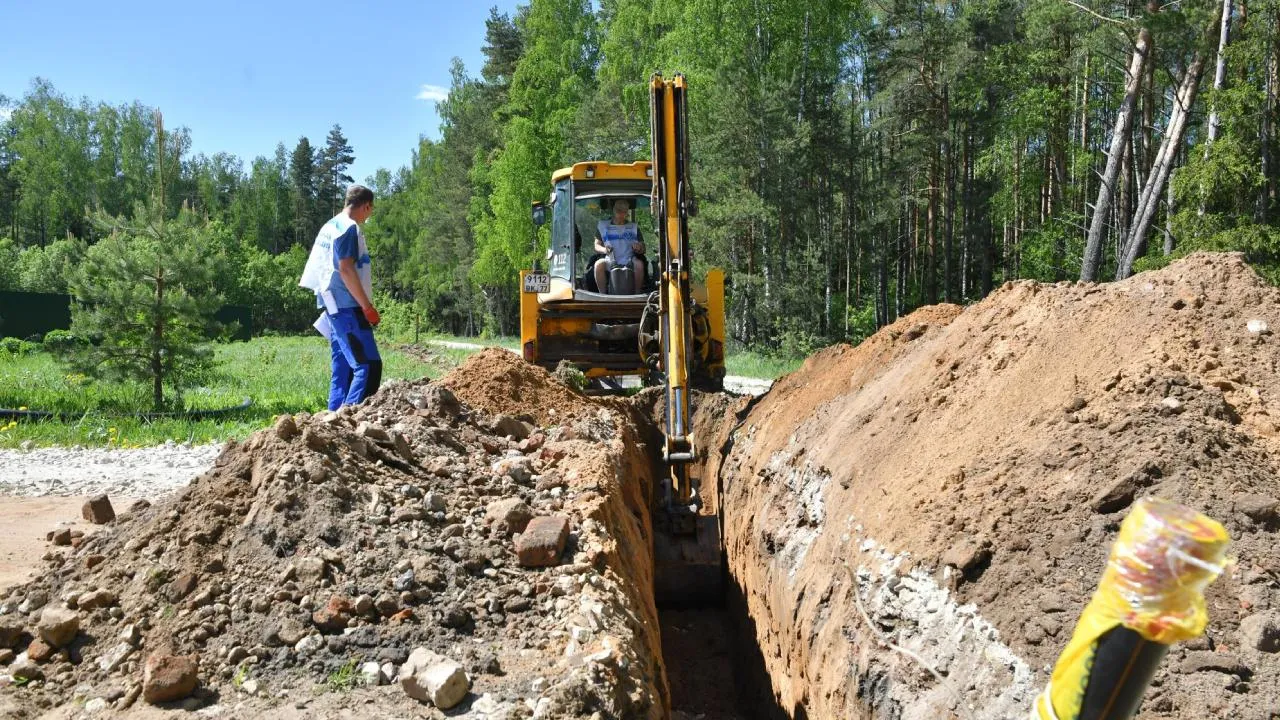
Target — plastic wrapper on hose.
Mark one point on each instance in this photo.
(1151, 595)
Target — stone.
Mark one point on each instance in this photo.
(437, 400)
(96, 599)
(58, 626)
(404, 582)
(93, 561)
(111, 659)
(311, 569)
(10, 631)
(249, 687)
(168, 678)
(542, 541)
(1121, 493)
(1258, 508)
(309, 644)
(61, 537)
(1258, 327)
(387, 604)
(335, 614)
(182, 586)
(96, 705)
(373, 432)
(40, 651)
(519, 469)
(508, 516)
(290, 632)
(24, 668)
(371, 674)
(34, 600)
(428, 677)
(98, 510)
(434, 501)
(1261, 631)
(285, 428)
(364, 605)
(131, 634)
(507, 425)
(1208, 660)
(6, 656)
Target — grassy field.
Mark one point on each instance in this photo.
(280, 375)
(757, 365)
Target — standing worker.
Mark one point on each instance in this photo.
(338, 273)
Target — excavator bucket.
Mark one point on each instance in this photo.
(688, 556)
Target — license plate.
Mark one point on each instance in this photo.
(537, 282)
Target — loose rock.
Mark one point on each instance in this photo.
(98, 510)
(167, 677)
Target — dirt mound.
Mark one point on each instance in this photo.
(318, 554)
(498, 381)
(986, 456)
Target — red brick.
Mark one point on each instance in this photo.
(335, 614)
(542, 541)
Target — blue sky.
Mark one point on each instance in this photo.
(243, 76)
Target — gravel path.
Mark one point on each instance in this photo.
(146, 472)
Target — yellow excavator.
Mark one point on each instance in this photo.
(649, 320)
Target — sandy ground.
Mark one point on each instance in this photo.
(24, 522)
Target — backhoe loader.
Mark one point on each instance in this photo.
(664, 327)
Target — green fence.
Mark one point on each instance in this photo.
(29, 314)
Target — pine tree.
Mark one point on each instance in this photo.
(144, 296)
(302, 181)
(331, 171)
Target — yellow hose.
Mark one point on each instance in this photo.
(1151, 595)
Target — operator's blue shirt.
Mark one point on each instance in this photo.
(346, 245)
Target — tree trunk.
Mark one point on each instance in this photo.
(1119, 139)
(1136, 242)
(1220, 72)
(1219, 80)
(157, 345)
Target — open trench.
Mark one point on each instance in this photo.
(783, 641)
(714, 668)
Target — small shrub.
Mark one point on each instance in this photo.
(61, 342)
(17, 346)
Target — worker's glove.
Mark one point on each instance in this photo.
(371, 314)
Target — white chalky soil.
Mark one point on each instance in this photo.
(143, 473)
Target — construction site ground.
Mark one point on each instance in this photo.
(911, 528)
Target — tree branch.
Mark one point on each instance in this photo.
(1094, 13)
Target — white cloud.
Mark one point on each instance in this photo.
(5, 114)
(433, 93)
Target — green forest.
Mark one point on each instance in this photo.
(852, 160)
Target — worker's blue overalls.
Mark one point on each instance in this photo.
(356, 365)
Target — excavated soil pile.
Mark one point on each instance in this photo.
(303, 570)
(953, 484)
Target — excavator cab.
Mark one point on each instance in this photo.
(565, 315)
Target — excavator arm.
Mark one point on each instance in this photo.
(673, 203)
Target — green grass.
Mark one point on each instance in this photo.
(343, 678)
(757, 365)
(280, 374)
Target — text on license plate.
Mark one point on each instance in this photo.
(537, 282)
